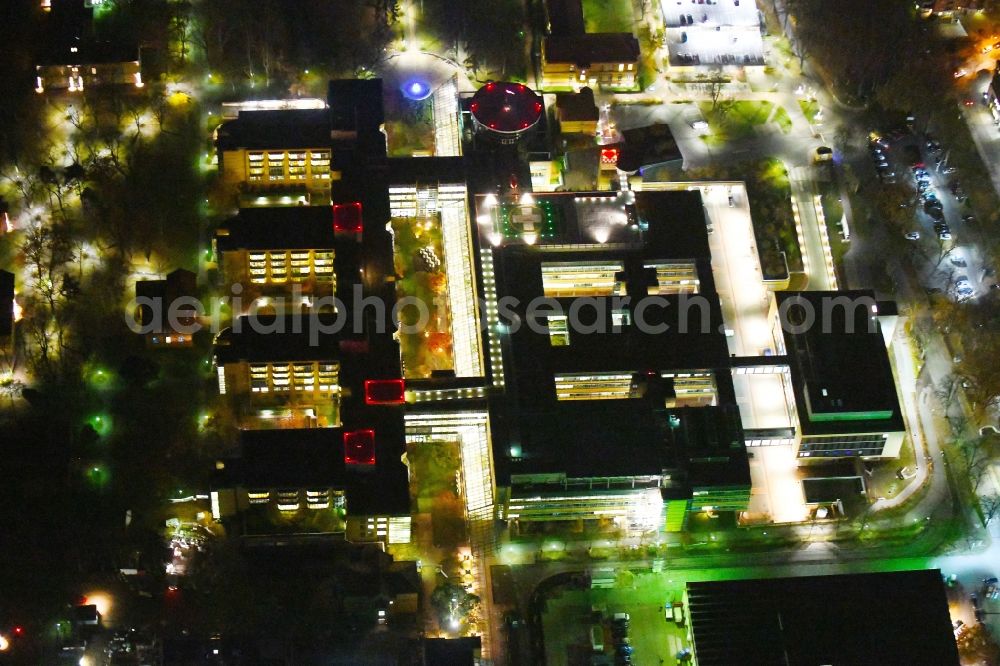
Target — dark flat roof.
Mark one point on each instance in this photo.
(621, 437)
(451, 651)
(577, 106)
(314, 457)
(310, 338)
(842, 380)
(276, 130)
(286, 227)
(882, 618)
(587, 49)
(646, 146)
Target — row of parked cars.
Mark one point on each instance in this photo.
(619, 633)
(879, 147)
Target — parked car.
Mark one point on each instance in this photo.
(912, 235)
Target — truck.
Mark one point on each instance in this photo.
(597, 637)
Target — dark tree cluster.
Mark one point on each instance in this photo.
(862, 45)
(489, 38)
(276, 40)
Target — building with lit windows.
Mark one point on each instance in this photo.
(630, 417)
(166, 309)
(843, 393)
(310, 371)
(949, 8)
(73, 59)
(608, 60)
(277, 157)
(572, 57)
(285, 253)
(577, 113)
(351, 482)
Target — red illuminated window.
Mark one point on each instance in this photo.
(384, 391)
(609, 156)
(359, 447)
(347, 217)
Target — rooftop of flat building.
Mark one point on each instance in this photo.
(591, 48)
(315, 458)
(285, 227)
(282, 129)
(841, 375)
(876, 618)
(578, 106)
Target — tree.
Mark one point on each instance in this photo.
(976, 645)
(452, 604)
(979, 370)
(990, 506)
(11, 387)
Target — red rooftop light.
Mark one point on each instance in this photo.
(384, 392)
(359, 447)
(347, 217)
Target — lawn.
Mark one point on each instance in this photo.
(810, 108)
(434, 468)
(884, 481)
(608, 15)
(833, 211)
(409, 125)
(782, 120)
(732, 121)
(770, 195)
(419, 265)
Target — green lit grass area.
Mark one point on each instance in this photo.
(782, 120)
(810, 108)
(419, 266)
(409, 125)
(732, 121)
(608, 15)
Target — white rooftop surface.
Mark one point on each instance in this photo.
(777, 490)
(736, 268)
(715, 29)
(717, 12)
(733, 45)
(762, 401)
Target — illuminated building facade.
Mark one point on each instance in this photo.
(574, 58)
(71, 58)
(312, 374)
(275, 156)
(609, 421)
(348, 482)
(285, 253)
(842, 387)
(577, 113)
(168, 320)
(609, 60)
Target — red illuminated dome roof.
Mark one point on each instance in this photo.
(506, 107)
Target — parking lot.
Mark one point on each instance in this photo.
(570, 615)
(942, 223)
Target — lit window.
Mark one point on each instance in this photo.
(558, 331)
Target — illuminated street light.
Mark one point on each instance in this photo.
(4, 643)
